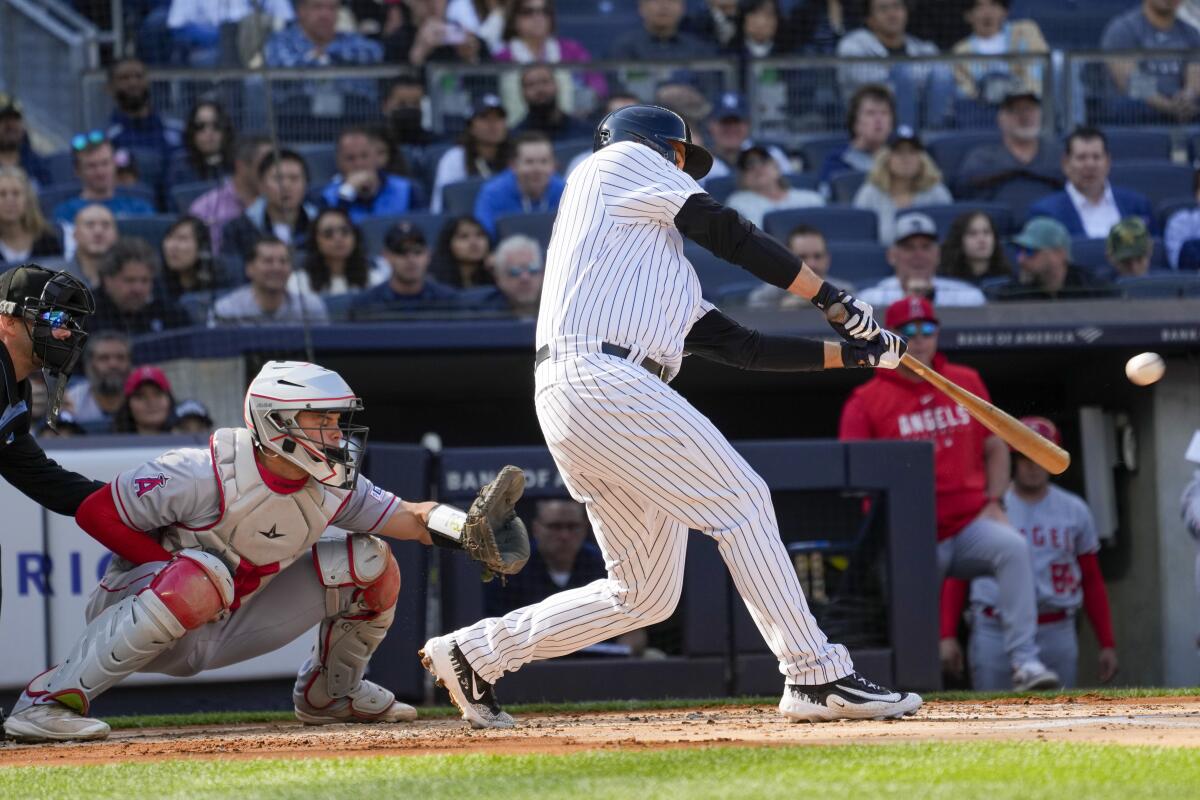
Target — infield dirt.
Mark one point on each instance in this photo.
(1163, 721)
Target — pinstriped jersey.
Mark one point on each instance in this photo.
(615, 270)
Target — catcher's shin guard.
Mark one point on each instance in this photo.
(189, 591)
(362, 582)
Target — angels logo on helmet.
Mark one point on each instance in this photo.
(331, 448)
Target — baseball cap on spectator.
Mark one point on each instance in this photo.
(905, 133)
(193, 408)
(915, 224)
(731, 105)
(146, 374)
(1128, 239)
(486, 104)
(1043, 427)
(10, 106)
(909, 309)
(401, 237)
(1019, 93)
(757, 151)
(1043, 233)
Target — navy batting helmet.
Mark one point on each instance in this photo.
(656, 127)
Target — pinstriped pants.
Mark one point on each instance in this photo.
(648, 466)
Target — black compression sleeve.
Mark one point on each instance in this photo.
(24, 464)
(721, 339)
(728, 235)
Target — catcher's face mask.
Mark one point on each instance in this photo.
(325, 442)
(55, 324)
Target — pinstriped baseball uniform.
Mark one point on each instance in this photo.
(644, 461)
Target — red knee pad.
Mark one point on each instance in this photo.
(381, 594)
(189, 592)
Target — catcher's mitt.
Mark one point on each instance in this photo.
(493, 535)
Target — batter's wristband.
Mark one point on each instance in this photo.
(826, 296)
(446, 526)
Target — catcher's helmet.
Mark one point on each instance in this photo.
(285, 388)
(656, 127)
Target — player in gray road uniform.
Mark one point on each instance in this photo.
(1191, 513)
(1063, 544)
(220, 558)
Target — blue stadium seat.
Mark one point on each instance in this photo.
(1019, 196)
(944, 215)
(948, 150)
(1161, 285)
(152, 227)
(375, 228)
(537, 226)
(844, 185)
(1070, 24)
(815, 150)
(1189, 256)
(1157, 180)
(1089, 253)
(183, 195)
(715, 274)
(1164, 210)
(862, 263)
(565, 152)
(338, 305)
(321, 159)
(838, 224)
(1138, 145)
(459, 198)
(61, 167)
(721, 188)
(1194, 150)
(802, 180)
(596, 33)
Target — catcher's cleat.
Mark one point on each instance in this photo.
(1035, 675)
(368, 702)
(475, 697)
(53, 722)
(851, 697)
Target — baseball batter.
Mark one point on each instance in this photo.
(620, 307)
(1063, 544)
(219, 557)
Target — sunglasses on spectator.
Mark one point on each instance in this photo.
(922, 327)
(83, 141)
(334, 230)
(516, 272)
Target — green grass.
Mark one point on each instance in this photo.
(1027, 771)
(435, 712)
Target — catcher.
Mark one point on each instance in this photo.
(212, 559)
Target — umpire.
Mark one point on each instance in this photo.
(41, 316)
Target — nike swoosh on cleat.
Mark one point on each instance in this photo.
(475, 693)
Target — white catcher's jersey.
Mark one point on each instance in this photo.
(216, 500)
(1059, 529)
(615, 270)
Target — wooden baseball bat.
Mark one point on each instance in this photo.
(1017, 435)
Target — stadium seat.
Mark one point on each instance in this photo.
(1194, 150)
(538, 226)
(565, 152)
(715, 274)
(1157, 180)
(61, 167)
(459, 198)
(861, 263)
(802, 180)
(944, 215)
(948, 150)
(375, 228)
(150, 167)
(1138, 145)
(1161, 285)
(721, 188)
(1189, 256)
(151, 227)
(321, 159)
(852, 224)
(815, 150)
(338, 305)
(844, 185)
(1089, 253)
(183, 195)
(1070, 24)
(1019, 196)
(1164, 210)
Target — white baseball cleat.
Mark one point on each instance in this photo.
(851, 697)
(368, 702)
(475, 697)
(53, 722)
(1035, 675)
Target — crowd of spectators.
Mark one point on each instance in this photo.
(190, 222)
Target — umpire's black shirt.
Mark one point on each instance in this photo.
(22, 462)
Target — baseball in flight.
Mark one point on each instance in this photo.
(1145, 368)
